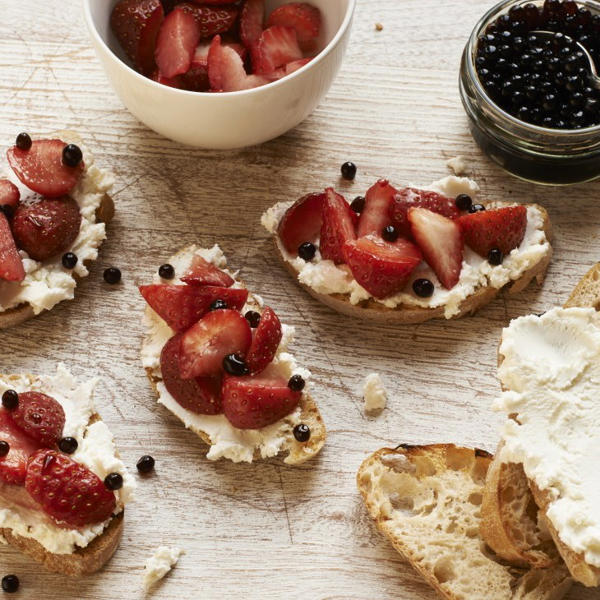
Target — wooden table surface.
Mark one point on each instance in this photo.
(269, 531)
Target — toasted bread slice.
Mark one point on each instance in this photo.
(104, 214)
(308, 413)
(426, 500)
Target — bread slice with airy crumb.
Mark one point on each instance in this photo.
(427, 501)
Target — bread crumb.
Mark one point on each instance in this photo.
(374, 393)
(159, 564)
(459, 165)
(378, 27)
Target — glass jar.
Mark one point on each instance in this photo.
(531, 152)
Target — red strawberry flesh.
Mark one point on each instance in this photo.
(9, 193)
(201, 272)
(11, 265)
(375, 216)
(304, 18)
(265, 342)
(211, 20)
(276, 47)
(251, 21)
(301, 222)
(40, 417)
(176, 43)
(13, 466)
(338, 227)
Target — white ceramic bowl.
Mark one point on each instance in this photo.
(226, 120)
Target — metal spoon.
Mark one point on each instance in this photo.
(593, 76)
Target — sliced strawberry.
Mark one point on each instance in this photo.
(375, 217)
(502, 228)
(214, 2)
(288, 69)
(9, 194)
(257, 401)
(13, 466)
(183, 305)
(382, 268)
(302, 221)
(409, 197)
(276, 47)
(304, 18)
(67, 490)
(176, 43)
(339, 226)
(46, 228)
(201, 272)
(201, 395)
(440, 240)
(265, 342)
(211, 20)
(42, 170)
(208, 342)
(11, 265)
(135, 24)
(174, 82)
(251, 22)
(40, 417)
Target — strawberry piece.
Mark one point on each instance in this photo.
(382, 268)
(265, 342)
(201, 395)
(42, 170)
(502, 228)
(135, 24)
(176, 42)
(208, 342)
(9, 194)
(440, 240)
(301, 222)
(40, 417)
(339, 226)
(47, 227)
(214, 2)
(375, 216)
(276, 47)
(11, 265)
(211, 20)
(174, 82)
(251, 22)
(201, 272)
(409, 197)
(13, 466)
(183, 305)
(304, 18)
(68, 491)
(257, 401)
(288, 69)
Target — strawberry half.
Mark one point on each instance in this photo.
(276, 47)
(176, 42)
(68, 491)
(411, 197)
(265, 342)
(201, 395)
(502, 228)
(211, 20)
(441, 241)
(40, 417)
(304, 18)
(9, 194)
(135, 24)
(201, 272)
(251, 21)
(288, 69)
(11, 265)
(375, 216)
(13, 466)
(339, 226)
(258, 401)
(381, 267)
(46, 228)
(210, 340)
(42, 170)
(301, 222)
(183, 305)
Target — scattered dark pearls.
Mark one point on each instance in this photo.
(302, 432)
(218, 305)
(389, 234)
(358, 204)
(68, 445)
(23, 141)
(495, 257)
(113, 481)
(145, 464)
(307, 251)
(10, 399)
(253, 318)
(296, 383)
(69, 260)
(166, 271)
(72, 155)
(235, 365)
(10, 584)
(463, 202)
(423, 288)
(348, 171)
(112, 275)
(4, 448)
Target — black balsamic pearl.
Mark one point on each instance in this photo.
(166, 271)
(296, 383)
(69, 260)
(72, 155)
(112, 275)
(8, 210)
(10, 584)
(389, 234)
(68, 445)
(358, 204)
(476, 208)
(10, 399)
(4, 448)
(302, 432)
(145, 464)
(113, 481)
(423, 288)
(253, 318)
(235, 365)
(348, 171)
(495, 257)
(218, 305)
(463, 202)
(23, 141)
(307, 251)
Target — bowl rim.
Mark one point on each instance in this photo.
(343, 28)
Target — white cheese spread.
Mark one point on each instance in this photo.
(458, 165)
(551, 374)
(374, 393)
(159, 564)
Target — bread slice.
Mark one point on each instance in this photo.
(427, 501)
(514, 507)
(104, 214)
(372, 310)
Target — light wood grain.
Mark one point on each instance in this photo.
(270, 531)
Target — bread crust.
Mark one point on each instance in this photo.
(371, 310)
